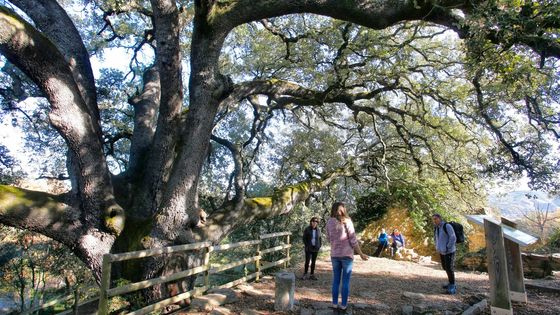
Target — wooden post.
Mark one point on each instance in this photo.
(207, 264)
(105, 285)
(515, 267)
(287, 252)
(497, 269)
(76, 301)
(258, 263)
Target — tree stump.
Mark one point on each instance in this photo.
(285, 283)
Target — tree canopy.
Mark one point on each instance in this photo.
(248, 108)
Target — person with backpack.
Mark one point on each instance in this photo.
(445, 240)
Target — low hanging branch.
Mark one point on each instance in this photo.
(282, 201)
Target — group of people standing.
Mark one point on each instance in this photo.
(344, 244)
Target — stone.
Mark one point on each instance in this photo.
(360, 306)
(307, 311)
(380, 307)
(477, 308)
(421, 308)
(220, 311)
(407, 310)
(229, 293)
(209, 301)
(249, 290)
(320, 305)
(414, 295)
(285, 284)
(249, 312)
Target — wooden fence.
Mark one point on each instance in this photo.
(206, 269)
(106, 292)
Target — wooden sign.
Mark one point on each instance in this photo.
(509, 232)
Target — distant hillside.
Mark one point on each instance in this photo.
(516, 203)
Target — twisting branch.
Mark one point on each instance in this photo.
(237, 174)
(481, 108)
(384, 156)
(286, 39)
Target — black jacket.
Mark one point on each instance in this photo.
(307, 235)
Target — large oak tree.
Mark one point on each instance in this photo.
(385, 74)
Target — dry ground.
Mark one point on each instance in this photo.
(378, 285)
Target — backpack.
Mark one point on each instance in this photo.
(458, 229)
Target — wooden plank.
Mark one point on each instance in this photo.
(102, 308)
(497, 266)
(82, 303)
(233, 264)
(276, 248)
(151, 282)
(273, 264)
(239, 281)
(48, 304)
(218, 248)
(158, 251)
(510, 233)
(60, 299)
(163, 303)
(515, 267)
(287, 252)
(277, 234)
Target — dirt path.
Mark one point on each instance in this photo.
(385, 286)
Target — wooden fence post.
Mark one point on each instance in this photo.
(105, 285)
(500, 303)
(76, 301)
(258, 262)
(515, 267)
(207, 264)
(287, 252)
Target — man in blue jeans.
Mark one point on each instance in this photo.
(445, 240)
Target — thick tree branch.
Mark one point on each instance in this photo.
(52, 215)
(36, 56)
(377, 14)
(146, 106)
(284, 199)
(53, 21)
(168, 60)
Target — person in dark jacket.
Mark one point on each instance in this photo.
(312, 243)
